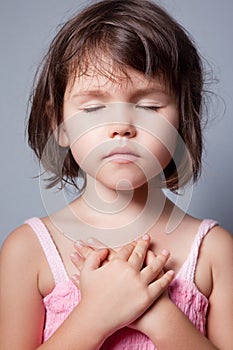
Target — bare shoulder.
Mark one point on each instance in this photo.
(216, 255)
(18, 240)
(21, 252)
(216, 246)
(21, 304)
(20, 248)
(217, 237)
(219, 242)
(219, 248)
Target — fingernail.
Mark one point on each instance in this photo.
(74, 256)
(171, 272)
(75, 278)
(146, 237)
(79, 244)
(165, 252)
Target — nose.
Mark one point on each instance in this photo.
(122, 130)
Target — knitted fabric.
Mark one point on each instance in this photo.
(65, 295)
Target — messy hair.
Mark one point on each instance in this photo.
(135, 34)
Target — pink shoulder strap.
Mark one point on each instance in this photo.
(187, 271)
(50, 250)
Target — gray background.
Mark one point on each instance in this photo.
(26, 28)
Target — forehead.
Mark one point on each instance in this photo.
(112, 80)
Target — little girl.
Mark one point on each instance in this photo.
(118, 105)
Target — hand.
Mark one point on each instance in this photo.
(147, 320)
(123, 275)
(82, 250)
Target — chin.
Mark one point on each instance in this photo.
(125, 184)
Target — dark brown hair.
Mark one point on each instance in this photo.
(131, 33)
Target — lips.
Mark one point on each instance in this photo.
(122, 155)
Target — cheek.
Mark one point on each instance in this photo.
(159, 135)
(161, 145)
(80, 151)
(86, 152)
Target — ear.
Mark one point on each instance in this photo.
(59, 132)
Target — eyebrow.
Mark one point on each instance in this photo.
(137, 93)
(148, 91)
(96, 93)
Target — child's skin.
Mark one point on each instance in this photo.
(126, 265)
(163, 320)
(135, 267)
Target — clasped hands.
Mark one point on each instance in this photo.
(121, 287)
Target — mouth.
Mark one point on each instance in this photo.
(122, 155)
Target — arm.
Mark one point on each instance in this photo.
(22, 311)
(102, 293)
(21, 307)
(220, 318)
(172, 329)
(115, 294)
(168, 327)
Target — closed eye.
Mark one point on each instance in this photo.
(93, 109)
(149, 108)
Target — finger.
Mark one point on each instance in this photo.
(123, 253)
(96, 244)
(157, 287)
(139, 252)
(77, 260)
(154, 269)
(150, 255)
(95, 259)
(76, 280)
(83, 248)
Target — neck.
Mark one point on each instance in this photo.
(115, 217)
(113, 208)
(111, 201)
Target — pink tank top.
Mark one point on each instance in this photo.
(65, 295)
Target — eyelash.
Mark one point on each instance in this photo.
(149, 108)
(97, 108)
(93, 109)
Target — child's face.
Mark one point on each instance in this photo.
(120, 132)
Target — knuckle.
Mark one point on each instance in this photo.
(155, 267)
(164, 281)
(118, 263)
(128, 248)
(161, 258)
(124, 252)
(93, 255)
(160, 261)
(114, 261)
(130, 272)
(140, 250)
(139, 254)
